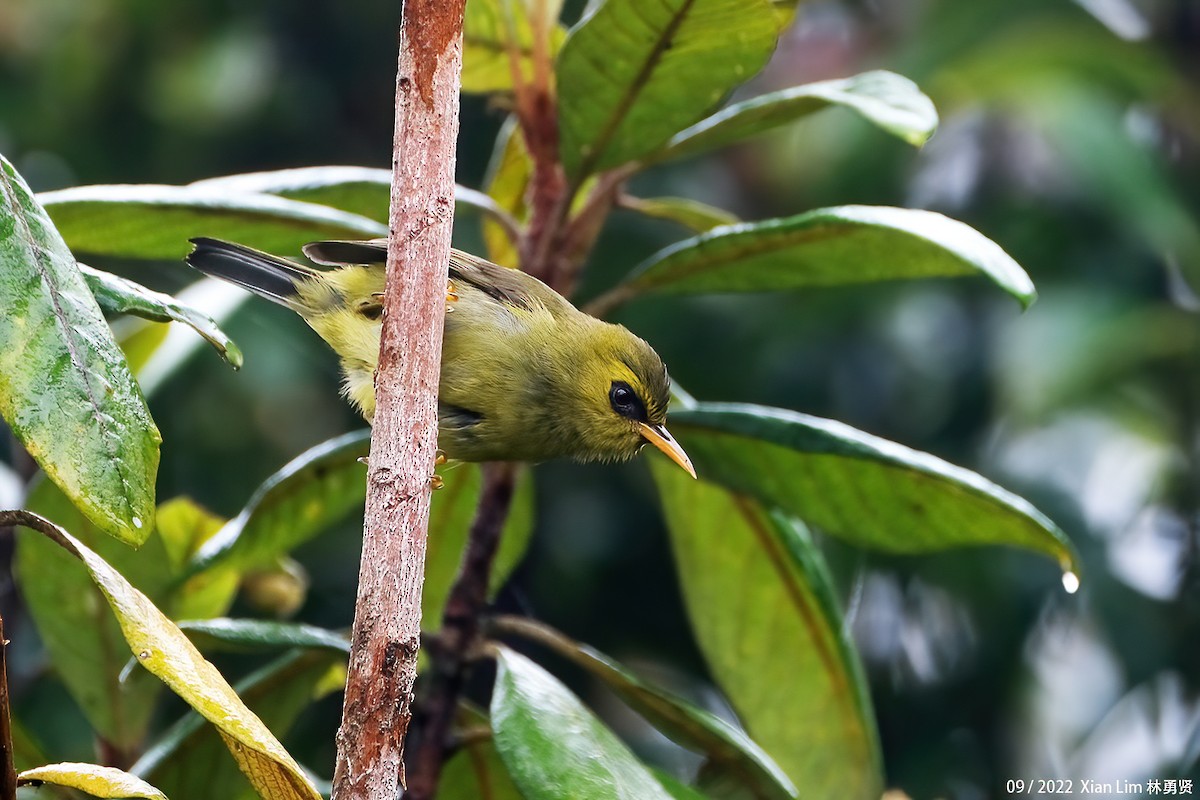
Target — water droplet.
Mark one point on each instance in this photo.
(144, 655)
(1070, 582)
(137, 522)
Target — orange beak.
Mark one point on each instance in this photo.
(657, 435)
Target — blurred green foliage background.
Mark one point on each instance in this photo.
(1070, 135)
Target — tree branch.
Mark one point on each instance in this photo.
(8, 774)
(387, 619)
(460, 628)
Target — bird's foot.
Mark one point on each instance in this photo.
(451, 296)
(439, 457)
(436, 482)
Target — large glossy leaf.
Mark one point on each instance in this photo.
(829, 247)
(762, 607)
(449, 525)
(84, 641)
(191, 754)
(633, 74)
(365, 191)
(155, 351)
(65, 389)
(554, 748)
(890, 101)
(95, 780)
(494, 31)
(869, 491)
(155, 222)
(162, 649)
(728, 749)
(118, 295)
(313, 491)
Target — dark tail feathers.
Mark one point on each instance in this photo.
(262, 273)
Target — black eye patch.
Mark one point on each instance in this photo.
(624, 401)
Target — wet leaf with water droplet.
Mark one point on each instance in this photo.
(65, 388)
(824, 472)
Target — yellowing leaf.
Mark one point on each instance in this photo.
(163, 649)
(94, 779)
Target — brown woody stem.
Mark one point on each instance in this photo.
(387, 618)
(8, 773)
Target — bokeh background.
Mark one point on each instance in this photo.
(1070, 135)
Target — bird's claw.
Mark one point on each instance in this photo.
(439, 457)
(436, 482)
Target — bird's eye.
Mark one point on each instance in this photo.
(626, 402)
(371, 311)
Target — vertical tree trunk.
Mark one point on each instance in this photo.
(387, 620)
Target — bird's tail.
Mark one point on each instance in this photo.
(262, 273)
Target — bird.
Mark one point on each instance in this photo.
(525, 376)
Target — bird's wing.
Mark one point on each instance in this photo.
(508, 286)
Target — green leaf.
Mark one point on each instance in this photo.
(155, 222)
(829, 247)
(84, 642)
(699, 217)
(191, 754)
(164, 650)
(476, 771)
(118, 295)
(184, 527)
(727, 748)
(554, 748)
(98, 781)
(488, 38)
(507, 182)
(65, 390)
(888, 100)
(253, 635)
(871, 492)
(312, 492)
(365, 191)
(762, 607)
(450, 519)
(155, 351)
(323, 485)
(633, 74)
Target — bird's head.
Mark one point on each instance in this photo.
(621, 392)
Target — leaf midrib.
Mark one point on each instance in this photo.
(67, 332)
(633, 91)
(829, 660)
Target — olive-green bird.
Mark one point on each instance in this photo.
(525, 375)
